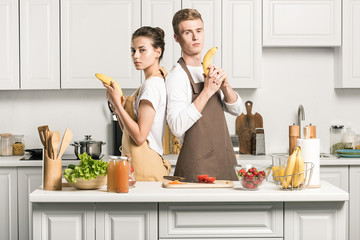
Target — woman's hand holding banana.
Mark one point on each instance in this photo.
(114, 95)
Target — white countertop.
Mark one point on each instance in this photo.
(14, 161)
(154, 192)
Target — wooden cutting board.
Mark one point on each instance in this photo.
(245, 127)
(216, 184)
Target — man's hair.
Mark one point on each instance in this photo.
(183, 15)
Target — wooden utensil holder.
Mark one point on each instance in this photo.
(52, 173)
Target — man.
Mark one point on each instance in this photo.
(196, 104)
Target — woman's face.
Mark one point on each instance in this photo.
(143, 53)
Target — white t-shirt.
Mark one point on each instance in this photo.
(181, 112)
(154, 91)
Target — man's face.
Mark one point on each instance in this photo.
(191, 36)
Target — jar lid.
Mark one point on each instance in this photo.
(337, 126)
(6, 135)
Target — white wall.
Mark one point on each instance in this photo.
(291, 76)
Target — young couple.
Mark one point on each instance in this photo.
(192, 104)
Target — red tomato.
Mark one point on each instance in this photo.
(210, 179)
(202, 178)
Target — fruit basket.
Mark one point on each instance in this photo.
(293, 182)
(251, 176)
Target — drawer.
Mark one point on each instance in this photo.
(220, 220)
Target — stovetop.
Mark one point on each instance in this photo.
(65, 157)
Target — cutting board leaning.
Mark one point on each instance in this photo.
(245, 127)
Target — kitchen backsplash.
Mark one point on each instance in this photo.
(290, 77)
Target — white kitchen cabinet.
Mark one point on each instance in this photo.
(347, 57)
(96, 38)
(59, 221)
(354, 206)
(39, 44)
(336, 175)
(208, 220)
(152, 9)
(29, 179)
(316, 221)
(8, 203)
(302, 23)
(9, 45)
(134, 221)
(210, 11)
(241, 42)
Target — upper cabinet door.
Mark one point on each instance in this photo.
(302, 23)
(242, 42)
(347, 58)
(210, 11)
(159, 13)
(9, 45)
(40, 44)
(96, 38)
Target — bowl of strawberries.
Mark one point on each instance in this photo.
(251, 176)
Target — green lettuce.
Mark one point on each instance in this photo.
(88, 168)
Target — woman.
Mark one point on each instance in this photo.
(142, 115)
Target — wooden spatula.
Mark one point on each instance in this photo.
(55, 141)
(42, 131)
(65, 142)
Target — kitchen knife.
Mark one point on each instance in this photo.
(180, 179)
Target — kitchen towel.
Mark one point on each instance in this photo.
(310, 151)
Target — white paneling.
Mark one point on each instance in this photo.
(152, 9)
(302, 23)
(40, 44)
(354, 208)
(242, 42)
(336, 175)
(9, 44)
(96, 38)
(29, 179)
(304, 221)
(126, 221)
(219, 220)
(58, 221)
(8, 204)
(210, 11)
(347, 58)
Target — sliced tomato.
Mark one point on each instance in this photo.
(202, 178)
(210, 179)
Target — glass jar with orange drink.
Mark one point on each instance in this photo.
(118, 175)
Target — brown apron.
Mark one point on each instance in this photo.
(207, 148)
(148, 164)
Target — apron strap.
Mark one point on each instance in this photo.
(195, 87)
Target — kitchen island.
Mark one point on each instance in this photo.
(150, 211)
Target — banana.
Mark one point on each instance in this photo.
(207, 59)
(299, 167)
(289, 168)
(105, 79)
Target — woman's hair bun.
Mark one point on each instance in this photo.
(161, 32)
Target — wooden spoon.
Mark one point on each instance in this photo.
(55, 141)
(65, 142)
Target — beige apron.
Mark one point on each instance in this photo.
(148, 164)
(207, 147)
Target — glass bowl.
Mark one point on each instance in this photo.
(251, 176)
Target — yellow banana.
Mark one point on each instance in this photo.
(105, 79)
(207, 59)
(299, 167)
(289, 168)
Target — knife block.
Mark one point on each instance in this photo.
(52, 173)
